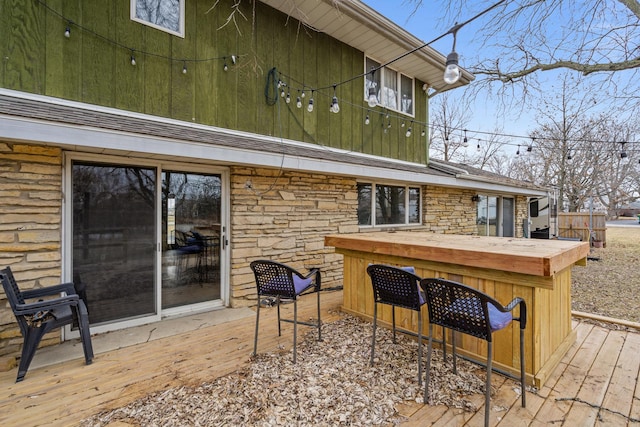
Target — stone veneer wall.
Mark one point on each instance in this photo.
(30, 229)
(449, 210)
(284, 216)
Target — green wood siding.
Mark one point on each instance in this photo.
(94, 66)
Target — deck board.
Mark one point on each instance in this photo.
(601, 367)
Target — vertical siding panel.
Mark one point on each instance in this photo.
(182, 84)
(156, 70)
(296, 36)
(311, 80)
(204, 73)
(57, 45)
(98, 54)
(24, 50)
(129, 84)
(227, 82)
(325, 63)
(70, 74)
(353, 116)
(336, 69)
(260, 66)
(249, 90)
(281, 60)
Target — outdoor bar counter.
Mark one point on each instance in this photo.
(539, 271)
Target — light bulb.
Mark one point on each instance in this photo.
(67, 32)
(288, 98)
(372, 100)
(408, 134)
(298, 102)
(282, 93)
(133, 60)
(310, 106)
(452, 71)
(423, 133)
(366, 120)
(184, 68)
(233, 59)
(225, 67)
(335, 108)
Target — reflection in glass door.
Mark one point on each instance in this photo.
(191, 216)
(114, 239)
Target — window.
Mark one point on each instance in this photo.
(165, 15)
(392, 89)
(380, 205)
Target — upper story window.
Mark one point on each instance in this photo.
(393, 90)
(381, 205)
(165, 15)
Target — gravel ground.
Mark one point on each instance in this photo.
(609, 285)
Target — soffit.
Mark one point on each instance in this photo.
(354, 23)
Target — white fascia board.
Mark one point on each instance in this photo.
(96, 139)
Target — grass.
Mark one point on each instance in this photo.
(610, 285)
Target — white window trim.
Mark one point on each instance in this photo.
(407, 192)
(380, 75)
(179, 33)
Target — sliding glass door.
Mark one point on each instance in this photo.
(191, 215)
(114, 239)
(145, 241)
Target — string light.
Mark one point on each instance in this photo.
(133, 58)
(366, 119)
(67, 31)
(335, 107)
(288, 98)
(184, 67)
(310, 106)
(298, 102)
(623, 154)
(518, 152)
(408, 134)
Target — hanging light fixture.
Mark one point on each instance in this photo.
(408, 134)
(310, 105)
(366, 119)
(67, 31)
(184, 67)
(623, 154)
(133, 58)
(335, 107)
(530, 147)
(452, 71)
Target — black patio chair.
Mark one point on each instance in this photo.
(464, 309)
(44, 315)
(282, 282)
(398, 287)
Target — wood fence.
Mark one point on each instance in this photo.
(578, 225)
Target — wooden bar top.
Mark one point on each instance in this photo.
(538, 257)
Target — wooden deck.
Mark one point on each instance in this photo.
(596, 384)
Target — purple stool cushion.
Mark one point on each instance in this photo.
(498, 319)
